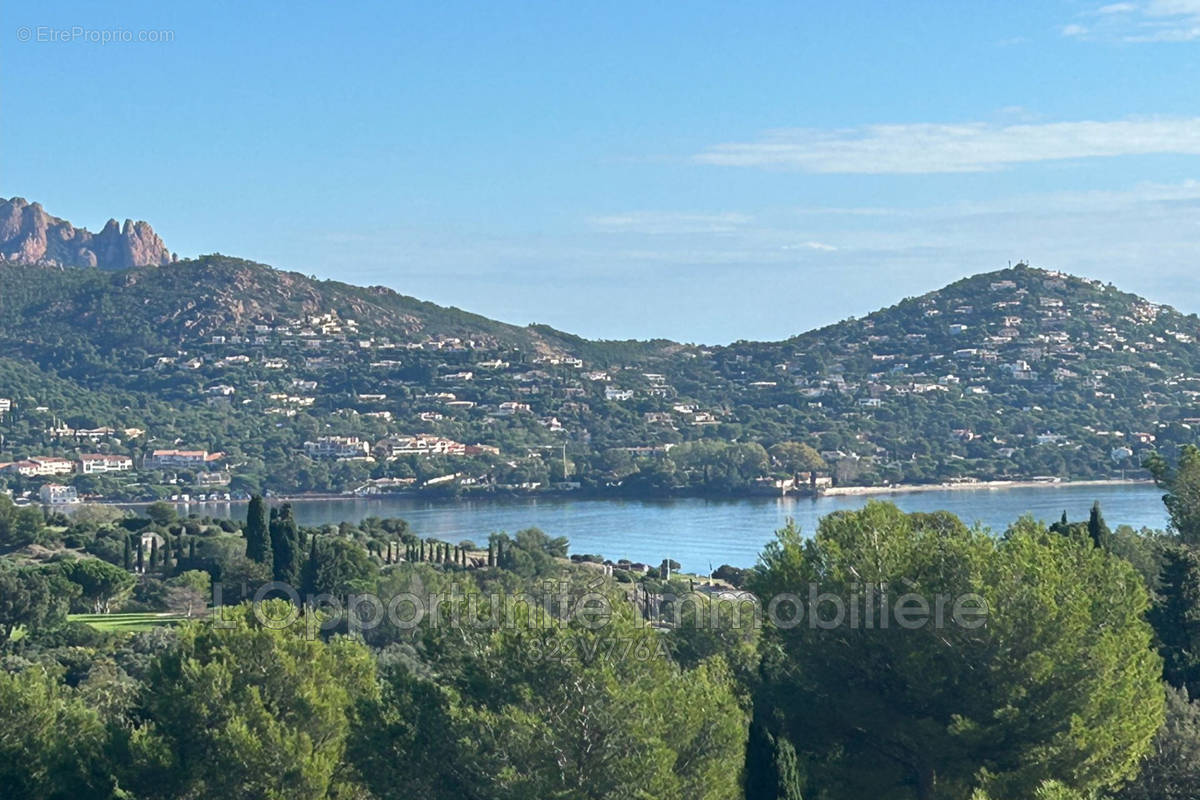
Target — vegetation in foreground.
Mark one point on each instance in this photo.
(1078, 685)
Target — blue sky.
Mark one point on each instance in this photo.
(700, 171)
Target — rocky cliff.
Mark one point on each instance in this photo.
(29, 235)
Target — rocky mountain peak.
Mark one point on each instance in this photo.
(28, 235)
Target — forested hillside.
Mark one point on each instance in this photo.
(308, 385)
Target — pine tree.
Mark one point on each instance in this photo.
(257, 531)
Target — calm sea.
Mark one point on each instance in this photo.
(703, 534)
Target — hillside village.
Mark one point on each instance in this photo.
(999, 376)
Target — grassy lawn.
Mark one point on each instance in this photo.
(127, 622)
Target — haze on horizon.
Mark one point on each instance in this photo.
(702, 174)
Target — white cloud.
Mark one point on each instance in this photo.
(969, 147)
(1148, 21)
(667, 223)
(773, 274)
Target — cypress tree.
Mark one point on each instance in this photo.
(257, 531)
(153, 553)
(491, 554)
(772, 769)
(308, 576)
(422, 550)
(1175, 618)
(191, 549)
(127, 556)
(141, 555)
(759, 774)
(285, 545)
(1098, 528)
(787, 770)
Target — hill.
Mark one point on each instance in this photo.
(294, 384)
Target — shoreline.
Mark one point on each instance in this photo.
(916, 488)
(836, 491)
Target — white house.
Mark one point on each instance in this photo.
(339, 447)
(52, 465)
(181, 458)
(424, 445)
(100, 462)
(53, 494)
